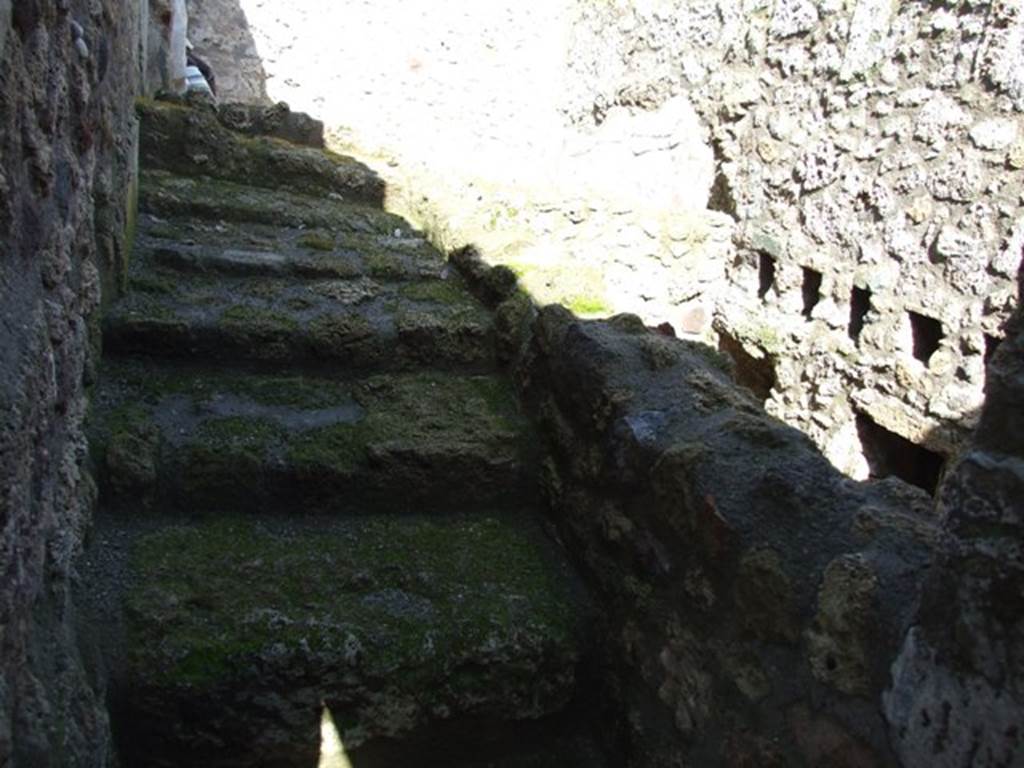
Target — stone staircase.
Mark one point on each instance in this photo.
(317, 541)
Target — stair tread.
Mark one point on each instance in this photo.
(349, 321)
(167, 194)
(199, 439)
(193, 142)
(252, 621)
(190, 245)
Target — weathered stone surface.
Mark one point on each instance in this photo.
(166, 25)
(193, 141)
(350, 242)
(392, 626)
(165, 194)
(830, 120)
(221, 35)
(716, 533)
(401, 590)
(209, 440)
(959, 671)
(355, 323)
(839, 639)
(66, 146)
(277, 121)
(994, 134)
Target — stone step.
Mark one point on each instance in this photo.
(251, 249)
(199, 440)
(167, 194)
(273, 120)
(192, 141)
(375, 641)
(324, 324)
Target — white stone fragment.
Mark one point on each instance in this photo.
(996, 133)
(793, 17)
(868, 30)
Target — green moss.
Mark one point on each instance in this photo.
(764, 336)
(585, 306)
(417, 595)
(629, 323)
(239, 431)
(715, 357)
(321, 265)
(338, 448)
(316, 242)
(153, 283)
(384, 266)
(339, 331)
(129, 417)
(440, 291)
(517, 268)
(261, 288)
(257, 319)
(422, 405)
(225, 460)
(148, 383)
(169, 195)
(154, 310)
(164, 232)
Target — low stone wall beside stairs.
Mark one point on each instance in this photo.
(765, 610)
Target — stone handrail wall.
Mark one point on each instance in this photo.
(756, 596)
(764, 609)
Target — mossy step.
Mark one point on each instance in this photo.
(196, 440)
(192, 141)
(242, 637)
(358, 323)
(166, 194)
(197, 245)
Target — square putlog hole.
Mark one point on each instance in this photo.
(927, 334)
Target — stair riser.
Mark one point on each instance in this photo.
(241, 730)
(195, 143)
(206, 484)
(435, 346)
(163, 205)
(346, 264)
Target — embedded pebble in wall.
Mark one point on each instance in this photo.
(994, 134)
(959, 179)
(793, 17)
(1015, 157)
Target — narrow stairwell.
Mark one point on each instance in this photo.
(316, 511)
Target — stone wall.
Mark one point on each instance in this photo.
(756, 596)
(765, 610)
(872, 154)
(68, 75)
(958, 683)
